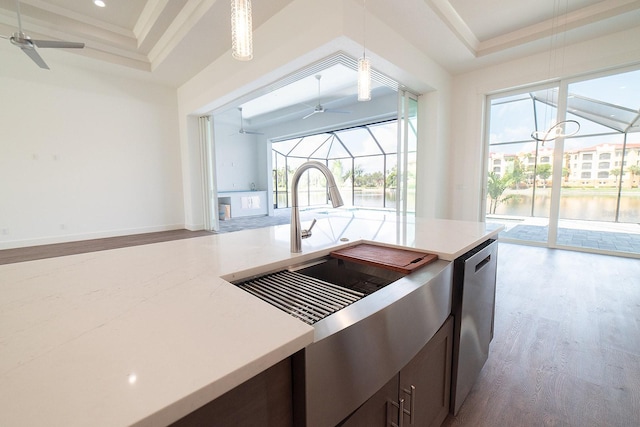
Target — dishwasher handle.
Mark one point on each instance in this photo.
(484, 262)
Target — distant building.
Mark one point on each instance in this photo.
(596, 166)
(602, 165)
(502, 163)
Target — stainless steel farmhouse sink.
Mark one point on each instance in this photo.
(368, 323)
(317, 289)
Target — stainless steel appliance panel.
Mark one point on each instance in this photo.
(473, 310)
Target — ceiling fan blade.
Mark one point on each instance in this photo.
(58, 44)
(242, 131)
(311, 114)
(329, 110)
(35, 57)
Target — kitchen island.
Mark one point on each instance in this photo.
(145, 335)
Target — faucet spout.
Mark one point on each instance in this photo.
(334, 196)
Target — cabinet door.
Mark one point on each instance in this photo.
(373, 412)
(263, 401)
(426, 381)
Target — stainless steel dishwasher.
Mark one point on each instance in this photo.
(474, 290)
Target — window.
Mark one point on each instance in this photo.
(604, 156)
(496, 170)
(496, 161)
(604, 165)
(544, 159)
(586, 166)
(586, 156)
(603, 174)
(585, 175)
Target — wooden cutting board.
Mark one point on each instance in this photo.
(402, 260)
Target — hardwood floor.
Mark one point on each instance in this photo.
(566, 348)
(8, 256)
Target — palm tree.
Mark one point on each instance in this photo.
(615, 173)
(518, 173)
(544, 172)
(495, 187)
(392, 177)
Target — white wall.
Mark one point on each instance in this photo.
(240, 159)
(469, 94)
(434, 148)
(84, 154)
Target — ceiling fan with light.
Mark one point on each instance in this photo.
(242, 130)
(319, 108)
(28, 45)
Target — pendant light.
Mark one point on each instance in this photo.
(241, 30)
(561, 129)
(364, 65)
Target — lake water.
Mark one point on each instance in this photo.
(580, 205)
(574, 204)
(368, 198)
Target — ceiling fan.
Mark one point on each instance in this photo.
(247, 132)
(28, 45)
(319, 108)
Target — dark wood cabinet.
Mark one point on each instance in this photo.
(429, 376)
(423, 386)
(374, 411)
(262, 401)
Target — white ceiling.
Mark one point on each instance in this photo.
(163, 38)
(526, 14)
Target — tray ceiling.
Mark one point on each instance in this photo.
(174, 40)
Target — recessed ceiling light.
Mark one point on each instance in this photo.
(99, 3)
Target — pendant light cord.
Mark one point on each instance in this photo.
(554, 60)
(364, 25)
(19, 18)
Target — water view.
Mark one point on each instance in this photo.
(363, 198)
(575, 204)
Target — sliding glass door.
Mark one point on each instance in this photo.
(574, 184)
(602, 163)
(519, 180)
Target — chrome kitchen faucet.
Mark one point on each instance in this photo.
(297, 234)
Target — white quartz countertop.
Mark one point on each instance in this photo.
(144, 335)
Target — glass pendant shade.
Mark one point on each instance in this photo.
(364, 79)
(241, 30)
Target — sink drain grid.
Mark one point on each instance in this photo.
(306, 298)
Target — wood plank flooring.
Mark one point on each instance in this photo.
(8, 256)
(566, 349)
